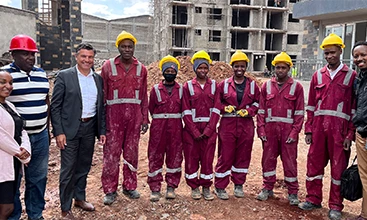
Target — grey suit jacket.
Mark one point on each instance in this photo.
(66, 104)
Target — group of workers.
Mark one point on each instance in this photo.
(114, 105)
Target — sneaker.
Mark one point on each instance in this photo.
(195, 194)
(207, 194)
(133, 194)
(265, 194)
(238, 191)
(221, 193)
(109, 198)
(155, 196)
(293, 199)
(170, 194)
(334, 214)
(308, 206)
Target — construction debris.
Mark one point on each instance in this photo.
(218, 71)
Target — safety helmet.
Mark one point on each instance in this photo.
(124, 35)
(282, 57)
(332, 39)
(168, 58)
(201, 54)
(23, 42)
(239, 56)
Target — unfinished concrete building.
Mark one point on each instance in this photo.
(102, 33)
(260, 28)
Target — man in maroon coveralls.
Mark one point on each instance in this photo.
(279, 121)
(329, 128)
(166, 131)
(200, 106)
(239, 96)
(125, 89)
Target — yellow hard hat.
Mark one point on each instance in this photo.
(167, 59)
(282, 57)
(239, 56)
(201, 54)
(124, 35)
(332, 39)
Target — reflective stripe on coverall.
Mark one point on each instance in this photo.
(126, 110)
(280, 117)
(236, 134)
(165, 136)
(329, 111)
(201, 114)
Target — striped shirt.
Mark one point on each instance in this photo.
(29, 96)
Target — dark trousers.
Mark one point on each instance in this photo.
(76, 160)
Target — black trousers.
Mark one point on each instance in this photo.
(76, 160)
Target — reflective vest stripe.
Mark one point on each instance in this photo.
(252, 88)
(173, 170)
(299, 112)
(180, 91)
(123, 101)
(131, 167)
(318, 177)
(239, 170)
(191, 88)
(293, 88)
(226, 85)
(290, 179)
(270, 173)
(288, 120)
(138, 69)
(191, 176)
(268, 87)
(206, 177)
(319, 77)
(336, 182)
(221, 175)
(187, 112)
(113, 67)
(261, 111)
(310, 108)
(159, 98)
(215, 110)
(166, 115)
(213, 86)
(348, 77)
(155, 173)
(332, 113)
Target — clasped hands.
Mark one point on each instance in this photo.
(240, 112)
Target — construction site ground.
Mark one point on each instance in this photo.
(183, 207)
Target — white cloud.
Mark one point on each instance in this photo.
(138, 8)
(99, 10)
(6, 2)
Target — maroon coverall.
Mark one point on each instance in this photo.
(200, 114)
(280, 117)
(126, 110)
(330, 108)
(236, 133)
(165, 136)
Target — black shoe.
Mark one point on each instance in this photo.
(133, 194)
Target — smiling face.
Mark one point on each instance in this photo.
(85, 60)
(360, 57)
(126, 49)
(332, 54)
(239, 68)
(25, 60)
(6, 85)
(202, 71)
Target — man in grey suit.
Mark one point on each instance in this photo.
(77, 116)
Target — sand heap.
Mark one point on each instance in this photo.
(218, 71)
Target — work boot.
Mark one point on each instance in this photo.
(208, 196)
(265, 194)
(238, 191)
(334, 214)
(293, 199)
(308, 206)
(109, 198)
(133, 194)
(195, 194)
(221, 193)
(155, 196)
(170, 194)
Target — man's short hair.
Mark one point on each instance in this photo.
(85, 46)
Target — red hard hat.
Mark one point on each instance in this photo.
(23, 42)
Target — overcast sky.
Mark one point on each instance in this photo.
(109, 9)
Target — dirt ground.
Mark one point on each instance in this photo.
(183, 207)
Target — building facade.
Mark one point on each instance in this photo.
(260, 28)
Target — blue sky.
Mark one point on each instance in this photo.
(109, 9)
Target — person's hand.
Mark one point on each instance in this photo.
(346, 144)
(144, 128)
(308, 138)
(23, 154)
(290, 140)
(229, 108)
(242, 112)
(61, 141)
(263, 138)
(102, 139)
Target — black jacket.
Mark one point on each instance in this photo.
(360, 117)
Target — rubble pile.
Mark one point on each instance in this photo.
(98, 63)
(218, 71)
